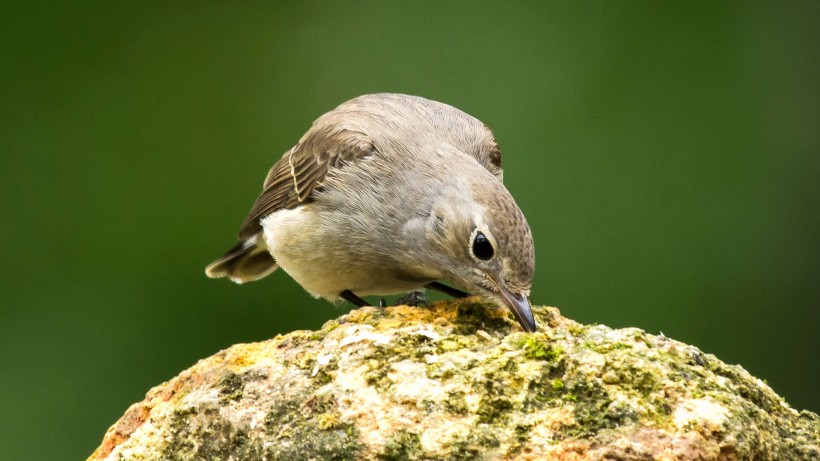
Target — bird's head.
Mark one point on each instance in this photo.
(483, 244)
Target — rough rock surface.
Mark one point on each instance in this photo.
(460, 380)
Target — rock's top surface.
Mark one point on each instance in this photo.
(459, 380)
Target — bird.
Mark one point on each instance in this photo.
(388, 194)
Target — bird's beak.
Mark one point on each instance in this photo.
(519, 305)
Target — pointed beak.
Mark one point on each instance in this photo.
(519, 305)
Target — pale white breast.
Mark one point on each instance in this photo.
(316, 257)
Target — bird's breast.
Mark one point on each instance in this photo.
(326, 252)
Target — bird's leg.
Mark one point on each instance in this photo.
(348, 296)
(454, 292)
(414, 298)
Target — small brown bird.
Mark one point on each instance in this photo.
(387, 194)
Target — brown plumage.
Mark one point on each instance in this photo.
(383, 195)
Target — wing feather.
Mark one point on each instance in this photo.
(291, 181)
(342, 136)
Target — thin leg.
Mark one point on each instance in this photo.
(348, 296)
(454, 292)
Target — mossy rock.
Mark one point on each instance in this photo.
(460, 380)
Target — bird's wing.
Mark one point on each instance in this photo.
(302, 169)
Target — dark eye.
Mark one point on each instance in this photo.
(482, 248)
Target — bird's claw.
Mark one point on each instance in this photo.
(414, 298)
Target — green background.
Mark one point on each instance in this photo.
(666, 156)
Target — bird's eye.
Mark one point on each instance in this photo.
(482, 248)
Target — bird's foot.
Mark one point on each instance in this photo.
(414, 298)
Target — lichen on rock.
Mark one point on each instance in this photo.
(459, 380)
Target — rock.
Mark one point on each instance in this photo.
(460, 380)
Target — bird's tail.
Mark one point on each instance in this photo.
(246, 262)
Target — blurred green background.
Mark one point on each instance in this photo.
(665, 154)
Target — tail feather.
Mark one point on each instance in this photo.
(246, 262)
